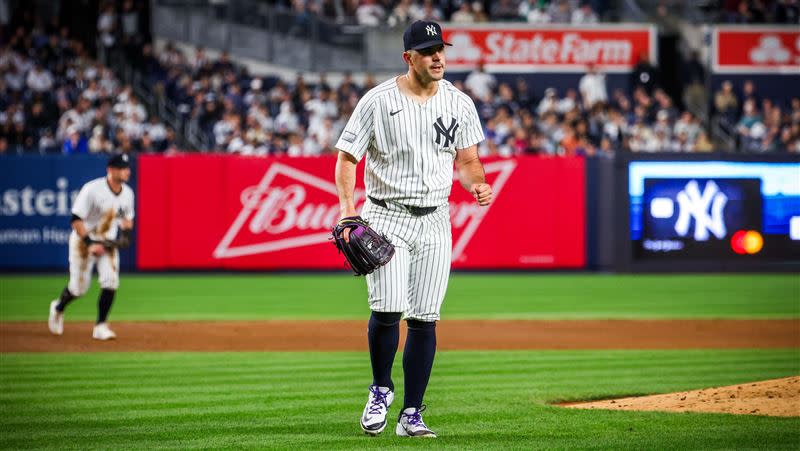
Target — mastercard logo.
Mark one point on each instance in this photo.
(746, 242)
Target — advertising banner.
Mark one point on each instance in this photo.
(756, 49)
(220, 211)
(36, 195)
(511, 47)
(715, 210)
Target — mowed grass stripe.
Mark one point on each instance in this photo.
(192, 400)
(470, 295)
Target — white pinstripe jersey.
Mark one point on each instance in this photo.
(410, 147)
(101, 208)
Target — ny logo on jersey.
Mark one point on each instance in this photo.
(449, 133)
(431, 30)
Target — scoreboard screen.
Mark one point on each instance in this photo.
(714, 210)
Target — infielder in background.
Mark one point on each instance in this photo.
(411, 128)
(102, 218)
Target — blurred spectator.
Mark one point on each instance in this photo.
(75, 142)
(480, 83)
(106, 29)
(401, 14)
(694, 79)
(584, 15)
(725, 101)
(644, 74)
(559, 11)
(787, 11)
(478, 12)
(504, 10)
(533, 11)
(548, 103)
(370, 13)
(593, 87)
(750, 127)
(463, 14)
(39, 79)
(428, 11)
(568, 103)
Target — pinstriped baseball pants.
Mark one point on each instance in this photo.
(414, 282)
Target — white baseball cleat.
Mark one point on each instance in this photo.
(102, 332)
(410, 424)
(373, 420)
(56, 320)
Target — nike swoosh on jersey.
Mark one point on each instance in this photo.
(395, 112)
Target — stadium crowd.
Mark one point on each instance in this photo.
(240, 113)
(374, 13)
(55, 98)
(402, 12)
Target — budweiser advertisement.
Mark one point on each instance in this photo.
(754, 49)
(519, 48)
(231, 212)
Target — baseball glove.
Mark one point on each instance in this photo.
(123, 241)
(367, 250)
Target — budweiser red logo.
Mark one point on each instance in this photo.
(290, 208)
(465, 213)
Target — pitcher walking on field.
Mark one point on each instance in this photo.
(412, 129)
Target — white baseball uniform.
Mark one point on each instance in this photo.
(101, 210)
(410, 149)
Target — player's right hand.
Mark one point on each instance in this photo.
(96, 249)
(346, 232)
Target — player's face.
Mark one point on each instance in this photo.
(429, 63)
(121, 174)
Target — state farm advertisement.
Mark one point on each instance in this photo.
(756, 50)
(514, 48)
(232, 212)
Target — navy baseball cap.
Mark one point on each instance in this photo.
(423, 34)
(119, 161)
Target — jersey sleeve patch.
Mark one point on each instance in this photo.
(348, 136)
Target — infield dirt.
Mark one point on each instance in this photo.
(452, 335)
(777, 397)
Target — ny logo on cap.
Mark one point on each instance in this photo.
(431, 30)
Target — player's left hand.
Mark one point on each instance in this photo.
(482, 192)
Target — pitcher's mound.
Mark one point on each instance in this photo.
(776, 397)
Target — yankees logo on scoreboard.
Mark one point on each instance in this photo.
(695, 217)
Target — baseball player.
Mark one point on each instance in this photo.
(411, 128)
(102, 218)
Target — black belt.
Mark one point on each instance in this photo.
(415, 211)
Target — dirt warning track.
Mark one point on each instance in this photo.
(452, 335)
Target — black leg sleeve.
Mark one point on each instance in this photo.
(104, 304)
(64, 300)
(418, 360)
(383, 336)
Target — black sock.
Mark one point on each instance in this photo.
(418, 360)
(383, 335)
(104, 304)
(64, 300)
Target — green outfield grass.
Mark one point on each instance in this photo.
(476, 400)
(339, 296)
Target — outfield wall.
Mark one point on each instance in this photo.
(230, 212)
(667, 212)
